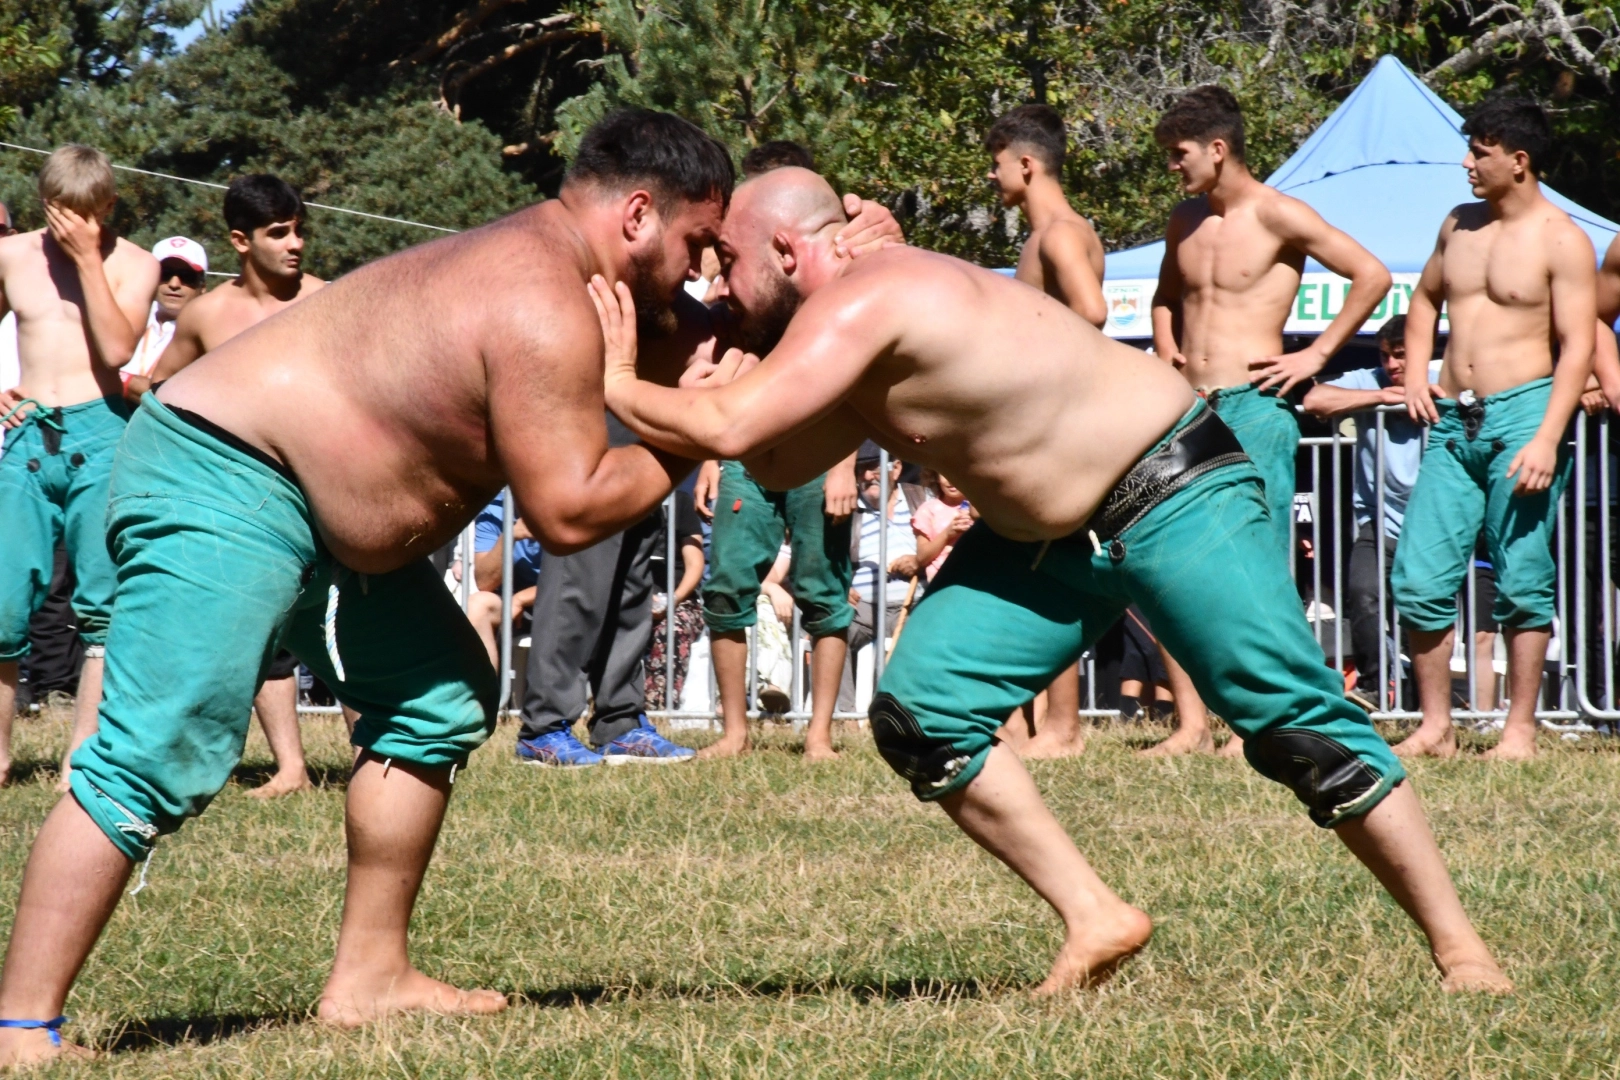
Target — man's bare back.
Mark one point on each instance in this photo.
(40, 282)
(1498, 280)
(1050, 250)
(386, 393)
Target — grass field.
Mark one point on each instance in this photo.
(765, 918)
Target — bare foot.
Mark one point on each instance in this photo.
(723, 749)
(1474, 977)
(1438, 741)
(283, 783)
(1513, 747)
(21, 1048)
(356, 1002)
(1232, 749)
(1183, 741)
(818, 752)
(1044, 745)
(1089, 956)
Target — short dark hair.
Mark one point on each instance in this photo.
(1393, 332)
(777, 154)
(257, 199)
(1038, 127)
(1514, 123)
(671, 157)
(1203, 115)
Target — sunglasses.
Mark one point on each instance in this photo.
(190, 278)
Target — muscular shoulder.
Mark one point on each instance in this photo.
(1068, 238)
(130, 260)
(309, 283)
(1186, 216)
(1286, 217)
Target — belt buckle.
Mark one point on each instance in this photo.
(1472, 411)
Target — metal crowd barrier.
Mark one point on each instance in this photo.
(1566, 702)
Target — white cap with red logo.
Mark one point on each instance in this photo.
(183, 248)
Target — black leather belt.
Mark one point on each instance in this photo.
(1205, 444)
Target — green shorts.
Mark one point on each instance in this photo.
(219, 564)
(1269, 431)
(749, 525)
(1463, 487)
(53, 490)
(1002, 619)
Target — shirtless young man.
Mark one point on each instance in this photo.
(1064, 259)
(80, 295)
(1233, 257)
(1517, 279)
(265, 215)
(287, 488)
(1102, 481)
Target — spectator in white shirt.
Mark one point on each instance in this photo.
(183, 270)
(903, 566)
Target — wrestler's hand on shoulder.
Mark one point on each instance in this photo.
(1288, 370)
(1534, 466)
(79, 236)
(871, 228)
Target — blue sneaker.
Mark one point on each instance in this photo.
(557, 748)
(644, 746)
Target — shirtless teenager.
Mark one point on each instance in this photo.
(1064, 259)
(1516, 277)
(1102, 480)
(80, 295)
(265, 215)
(1233, 257)
(287, 487)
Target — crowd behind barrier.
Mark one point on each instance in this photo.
(1578, 687)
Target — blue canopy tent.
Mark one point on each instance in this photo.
(1385, 168)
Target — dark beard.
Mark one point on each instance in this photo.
(763, 326)
(655, 317)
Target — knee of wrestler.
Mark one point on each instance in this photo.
(932, 765)
(1324, 774)
(1419, 602)
(130, 801)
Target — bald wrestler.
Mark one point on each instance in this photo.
(1233, 257)
(1064, 259)
(80, 294)
(1102, 479)
(265, 215)
(286, 489)
(1517, 279)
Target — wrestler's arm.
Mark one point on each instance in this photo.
(1063, 258)
(828, 346)
(545, 419)
(1572, 265)
(187, 343)
(1327, 402)
(1167, 297)
(111, 314)
(1606, 363)
(1422, 316)
(1300, 227)
(1608, 285)
(827, 446)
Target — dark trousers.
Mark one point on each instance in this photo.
(56, 654)
(1362, 606)
(592, 623)
(1595, 663)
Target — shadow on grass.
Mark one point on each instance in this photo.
(940, 990)
(26, 772)
(322, 776)
(199, 1030)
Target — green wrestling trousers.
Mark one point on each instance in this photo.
(1268, 428)
(1463, 487)
(1003, 618)
(750, 523)
(53, 489)
(219, 563)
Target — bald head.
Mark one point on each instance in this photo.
(789, 200)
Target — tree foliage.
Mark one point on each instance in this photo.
(451, 111)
